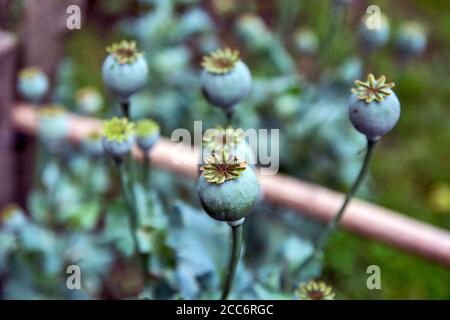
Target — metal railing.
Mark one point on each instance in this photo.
(361, 217)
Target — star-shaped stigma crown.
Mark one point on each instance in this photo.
(29, 72)
(118, 129)
(146, 128)
(372, 89)
(314, 290)
(222, 167)
(221, 61)
(218, 138)
(124, 52)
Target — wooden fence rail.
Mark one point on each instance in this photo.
(361, 217)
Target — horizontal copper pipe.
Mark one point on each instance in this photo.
(361, 217)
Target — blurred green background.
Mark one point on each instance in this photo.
(410, 172)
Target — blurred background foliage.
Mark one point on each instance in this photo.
(303, 92)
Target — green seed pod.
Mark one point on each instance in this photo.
(89, 100)
(374, 109)
(253, 32)
(231, 140)
(313, 290)
(306, 41)
(32, 84)
(225, 79)
(373, 35)
(92, 144)
(411, 40)
(125, 69)
(147, 134)
(118, 137)
(53, 126)
(228, 188)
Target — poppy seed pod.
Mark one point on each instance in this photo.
(373, 33)
(287, 106)
(124, 70)
(195, 21)
(229, 139)
(92, 144)
(225, 79)
(12, 218)
(53, 126)
(118, 137)
(89, 100)
(253, 32)
(32, 84)
(227, 188)
(314, 290)
(349, 70)
(306, 41)
(374, 109)
(147, 134)
(411, 40)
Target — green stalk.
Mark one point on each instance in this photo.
(229, 113)
(334, 223)
(362, 173)
(125, 108)
(133, 220)
(129, 199)
(235, 255)
(146, 170)
(53, 203)
(41, 158)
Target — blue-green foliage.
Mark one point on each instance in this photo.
(77, 216)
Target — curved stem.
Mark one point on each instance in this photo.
(362, 173)
(133, 221)
(235, 255)
(334, 223)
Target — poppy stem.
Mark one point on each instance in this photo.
(133, 221)
(229, 113)
(362, 173)
(125, 108)
(146, 170)
(334, 223)
(235, 256)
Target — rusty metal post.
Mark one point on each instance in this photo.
(44, 33)
(8, 46)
